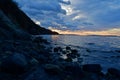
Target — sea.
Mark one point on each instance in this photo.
(104, 50)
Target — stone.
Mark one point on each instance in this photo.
(74, 51)
(74, 70)
(69, 59)
(114, 72)
(118, 51)
(71, 56)
(94, 68)
(57, 49)
(8, 47)
(88, 50)
(52, 69)
(34, 61)
(42, 59)
(14, 64)
(68, 48)
(60, 49)
(64, 52)
(91, 43)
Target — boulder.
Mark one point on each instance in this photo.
(14, 64)
(69, 59)
(74, 70)
(42, 59)
(71, 56)
(94, 68)
(68, 48)
(64, 52)
(74, 51)
(52, 69)
(114, 72)
(57, 49)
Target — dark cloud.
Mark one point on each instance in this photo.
(74, 14)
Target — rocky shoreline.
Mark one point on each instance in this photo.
(36, 59)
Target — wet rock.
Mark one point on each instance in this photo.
(74, 70)
(94, 68)
(42, 59)
(64, 52)
(21, 35)
(91, 43)
(71, 56)
(14, 64)
(74, 51)
(69, 59)
(113, 73)
(60, 49)
(34, 62)
(88, 50)
(118, 51)
(68, 48)
(8, 47)
(40, 74)
(57, 49)
(52, 69)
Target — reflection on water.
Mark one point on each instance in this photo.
(93, 49)
(54, 37)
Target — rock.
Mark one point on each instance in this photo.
(71, 56)
(94, 68)
(74, 70)
(118, 51)
(40, 74)
(57, 49)
(14, 64)
(64, 52)
(69, 59)
(42, 59)
(8, 47)
(114, 72)
(52, 69)
(91, 43)
(34, 61)
(88, 50)
(60, 49)
(21, 35)
(74, 51)
(68, 48)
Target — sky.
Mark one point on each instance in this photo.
(84, 17)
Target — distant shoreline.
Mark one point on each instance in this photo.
(84, 35)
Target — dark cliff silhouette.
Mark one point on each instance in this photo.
(14, 21)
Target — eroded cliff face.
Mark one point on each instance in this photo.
(8, 30)
(15, 23)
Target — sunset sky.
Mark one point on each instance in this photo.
(83, 17)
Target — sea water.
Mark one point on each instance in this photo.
(102, 50)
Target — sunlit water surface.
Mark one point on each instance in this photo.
(93, 49)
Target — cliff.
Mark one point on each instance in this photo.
(14, 22)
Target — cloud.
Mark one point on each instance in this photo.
(74, 14)
(104, 14)
(109, 32)
(45, 11)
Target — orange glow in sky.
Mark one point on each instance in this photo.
(113, 32)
